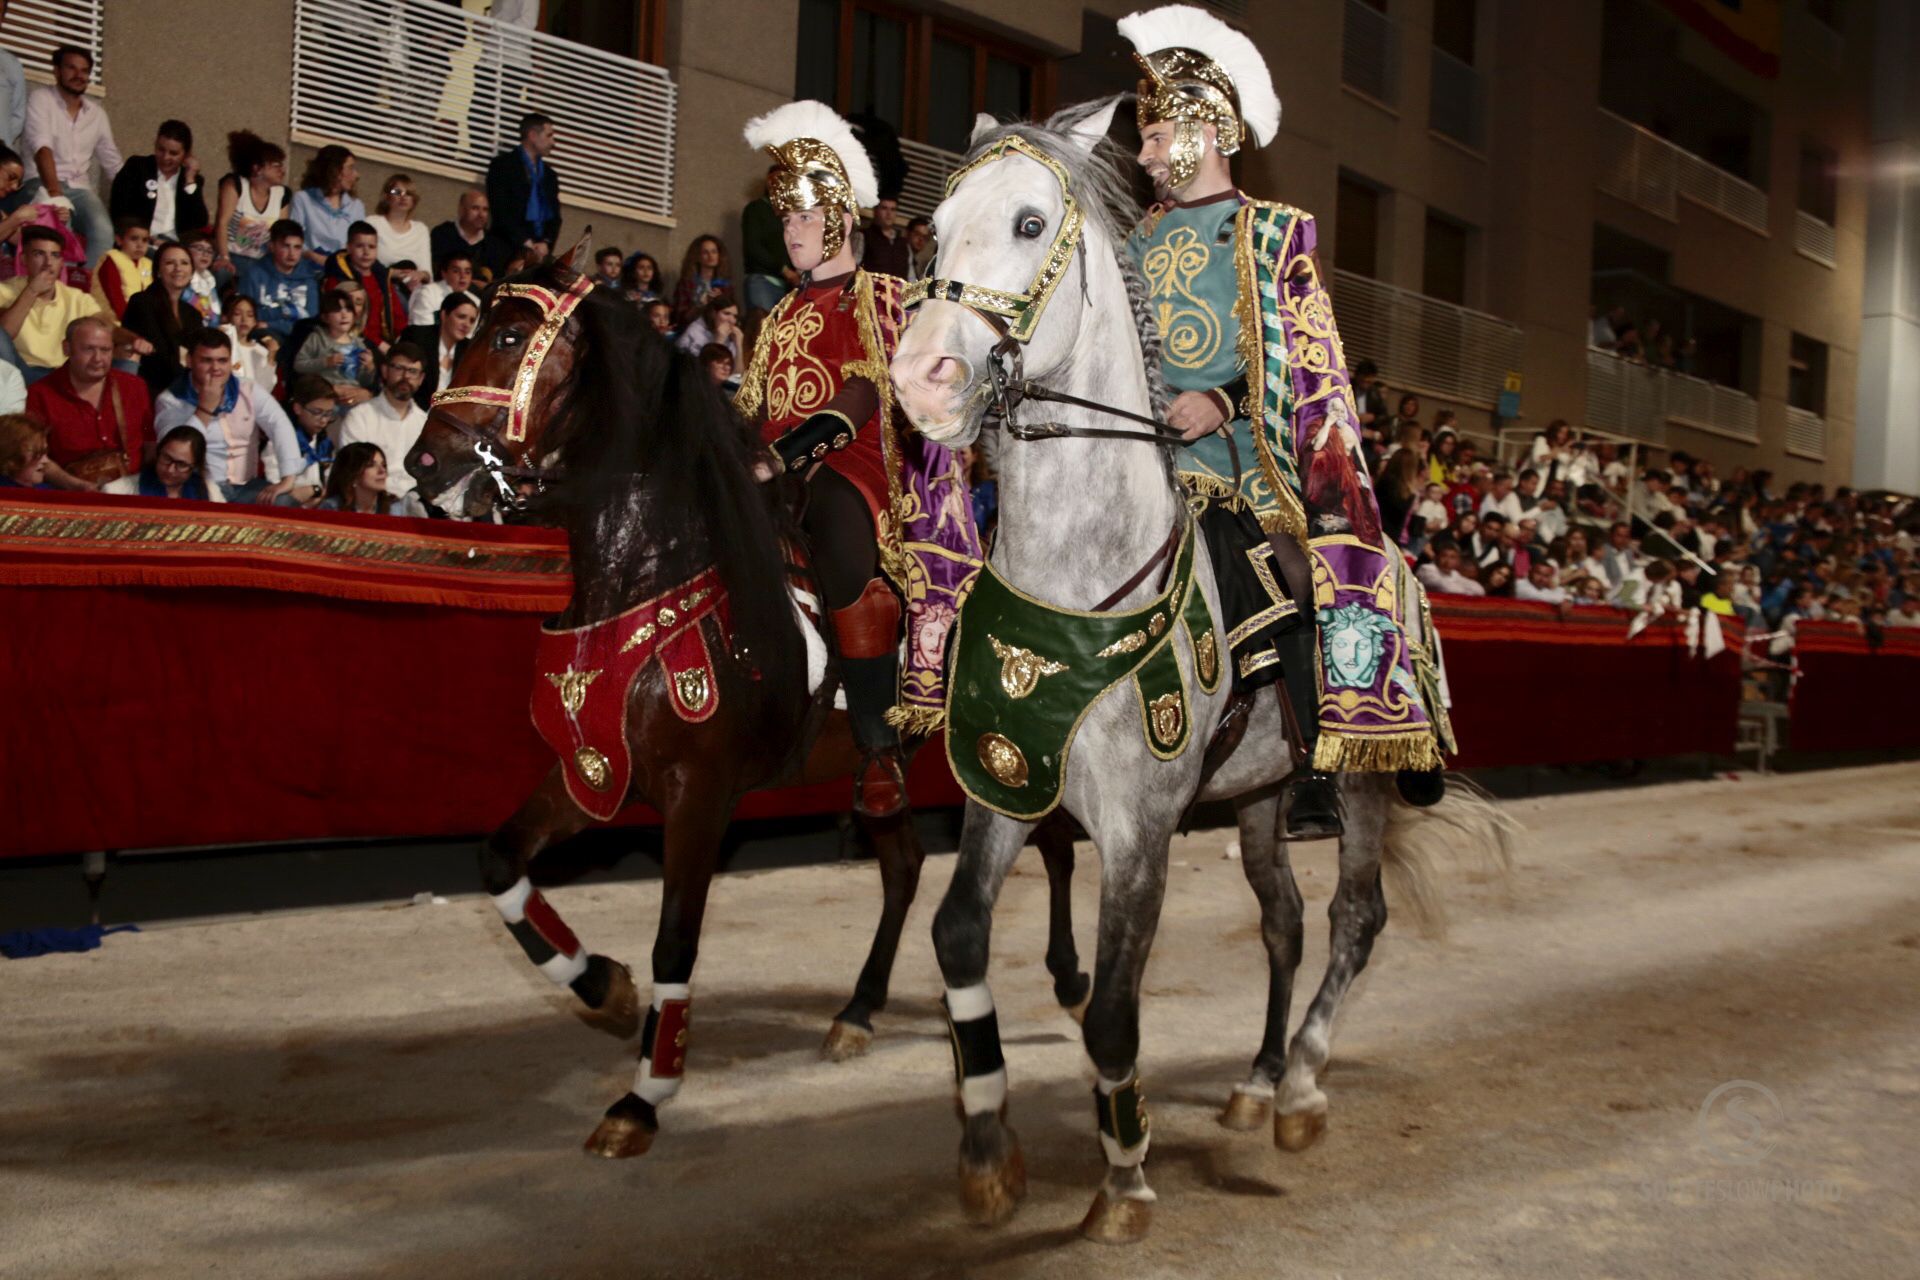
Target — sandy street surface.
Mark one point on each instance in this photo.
(395, 1092)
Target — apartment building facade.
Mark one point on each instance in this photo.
(1486, 173)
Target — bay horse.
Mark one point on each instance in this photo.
(1033, 229)
(679, 670)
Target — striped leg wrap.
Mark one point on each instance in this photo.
(979, 1069)
(663, 1043)
(1124, 1128)
(541, 933)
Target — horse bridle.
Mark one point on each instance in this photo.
(1014, 316)
(514, 404)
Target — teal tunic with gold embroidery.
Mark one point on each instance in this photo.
(1235, 289)
(1186, 258)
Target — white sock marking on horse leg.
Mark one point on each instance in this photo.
(1300, 1087)
(563, 969)
(983, 1095)
(512, 905)
(964, 1004)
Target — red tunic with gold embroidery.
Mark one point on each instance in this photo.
(815, 362)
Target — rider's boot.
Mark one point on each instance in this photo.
(868, 631)
(1310, 797)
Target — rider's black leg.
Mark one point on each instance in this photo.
(866, 622)
(1310, 801)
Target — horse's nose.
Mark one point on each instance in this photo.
(930, 381)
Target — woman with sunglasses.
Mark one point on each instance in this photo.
(406, 246)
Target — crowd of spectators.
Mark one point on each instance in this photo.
(1569, 523)
(1644, 341)
(284, 325)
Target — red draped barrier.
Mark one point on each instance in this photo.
(1532, 687)
(1852, 695)
(190, 674)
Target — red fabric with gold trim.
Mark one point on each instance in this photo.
(815, 336)
(668, 1053)
(583, 675)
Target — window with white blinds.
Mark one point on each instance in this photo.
(429, 85)
(33, 29)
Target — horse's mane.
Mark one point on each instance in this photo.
(656, 485)
(1103, 183)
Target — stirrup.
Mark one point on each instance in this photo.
(1311, 808)
(880, 785)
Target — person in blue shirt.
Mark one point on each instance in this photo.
(284, 286)
(524, 189)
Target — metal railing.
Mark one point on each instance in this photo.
(35, 28)
(1367, 52)
(426, 84)
(1454, 103)
(1423, 344)
(1814, 238)
(928, 169)
(1645, 169)
(1638, 400)
(1806, 434)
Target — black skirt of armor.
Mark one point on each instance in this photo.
(1252, 591)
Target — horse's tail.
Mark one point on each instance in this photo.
(1467, 825)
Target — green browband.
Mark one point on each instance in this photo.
(1025, 672)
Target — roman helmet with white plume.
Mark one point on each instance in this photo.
(1200, 71)
(822, 165)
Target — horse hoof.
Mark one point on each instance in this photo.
(1246, 1112)
(1078, 1012)
(625, 1131)
(619, 1014)
(1122, 1221)
(988, 1196)
(1298, 1130)
(845, 1040)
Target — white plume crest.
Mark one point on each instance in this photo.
(1182, 26)
(821, 122)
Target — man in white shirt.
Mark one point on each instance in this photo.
(1503, 499)
(1621, 557)
(391, 419)
(1443, 576)
(1541, 584)
(66, 132)
(456, 276)
(234, 414)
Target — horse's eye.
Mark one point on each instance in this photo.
(505, 339)
(1030, 226)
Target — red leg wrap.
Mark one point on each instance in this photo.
(668, 1051)
(547, 923)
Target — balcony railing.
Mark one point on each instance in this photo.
(35, 28)
(1454, 104)
(1645, 169)
(928, 169)
(1815, 239)
(1425, 345)
(438, 89)
(1806, 434)
(1640, 400)
(1367, 52)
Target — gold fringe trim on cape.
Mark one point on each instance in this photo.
(1375, 753)
(919, 721)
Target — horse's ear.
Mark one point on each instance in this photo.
(982, 123)
(582, 250)
(1087, 132)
